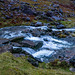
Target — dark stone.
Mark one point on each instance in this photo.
(8, 17)
(2, 1)
(33, 62)
(16, 44)
(27, 19)
(5, 48)
(31, 44)
(25, 9)
(16, 50)
(72, 61)
(60, 26)
(27, 43)
(3, 41)
(49, 13)
(60, 11)
(16, 39)
(38, 24)
(49, 19)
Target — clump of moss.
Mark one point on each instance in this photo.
(73, 34)
(62, 36)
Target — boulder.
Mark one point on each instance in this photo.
(27, 43)
(3, 41)
(27, 18)
(33, 62)
(38, 24)
(72, 61)
(60, 26)
(5, 48)
(31, 44)
(16, 50)
(16, 39)
(49, 13)
(60, 11)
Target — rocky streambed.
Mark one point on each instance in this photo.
(39, 42)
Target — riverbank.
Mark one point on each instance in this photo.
(20, 66)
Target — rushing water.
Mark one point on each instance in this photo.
(48, 47)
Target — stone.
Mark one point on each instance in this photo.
(38, 24)
(3, 41)
(27, 43)
(5, 48)
(60, 26)
(60, 11)
(49, 13)
(33, 62)
(16, 39)
(31, 44)
(16, 50)
(27, 18)
(8, 17)
(72, 61)
(56, 18)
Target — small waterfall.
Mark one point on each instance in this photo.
(49, 43)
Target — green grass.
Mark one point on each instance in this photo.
(10, 65)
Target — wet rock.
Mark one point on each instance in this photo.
(16, 39)
(36, 33)
(5, 48)
(60, 26)
(27, 43)
(16, 50)
(38, 24)
(31, 44)
(16, 44)
(3, 41)
(33, 62)
(72, 61)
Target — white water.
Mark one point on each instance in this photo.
(49, 45)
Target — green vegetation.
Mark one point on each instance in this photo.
(69, 24)
(10, 65)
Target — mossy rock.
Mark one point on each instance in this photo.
(62, 36)
(73, 34)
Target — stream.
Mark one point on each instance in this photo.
(51, 45)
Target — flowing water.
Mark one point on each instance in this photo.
(50, 45)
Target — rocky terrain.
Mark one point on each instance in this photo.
(39, 31)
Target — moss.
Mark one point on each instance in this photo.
(73, 34)
(69, 24)
(62, 36)
(10, 65)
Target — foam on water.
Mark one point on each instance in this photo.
(49, 43)
(42, 53)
